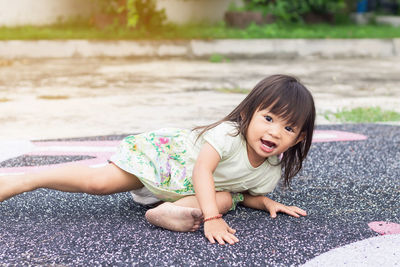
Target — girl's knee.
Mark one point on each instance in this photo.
(224, 200)
(111, 179)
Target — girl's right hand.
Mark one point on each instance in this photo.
(218, 230)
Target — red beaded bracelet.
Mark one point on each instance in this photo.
(213, 218)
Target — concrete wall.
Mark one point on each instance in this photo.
(255, 48)
(41, 12)
(194, 11)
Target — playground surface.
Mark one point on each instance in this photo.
(349, 187)
(55, 111)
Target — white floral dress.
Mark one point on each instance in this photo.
(159, 159)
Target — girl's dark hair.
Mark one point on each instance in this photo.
(287, 98)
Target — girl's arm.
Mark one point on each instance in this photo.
(267, 204)
(203, 182)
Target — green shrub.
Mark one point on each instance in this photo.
(259, 5)
(295, 10)
(135, 14)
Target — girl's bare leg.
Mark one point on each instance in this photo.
(71, 178)
(184, 215)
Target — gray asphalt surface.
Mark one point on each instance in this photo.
(343, 186)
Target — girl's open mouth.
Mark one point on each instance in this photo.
(268, 146)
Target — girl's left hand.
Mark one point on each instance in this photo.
(273, 207)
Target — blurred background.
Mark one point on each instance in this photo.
(152, 15)
(96, 67)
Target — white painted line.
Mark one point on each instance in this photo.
(11, 173)
(320, 135)
(14, 148)
(98, 165)
(375, 251)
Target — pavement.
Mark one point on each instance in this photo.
(233, 48)
(349, 186)
(58, 110)
(72, 97)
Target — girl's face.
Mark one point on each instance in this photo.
(269, 135)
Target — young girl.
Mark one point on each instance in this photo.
(203, 173)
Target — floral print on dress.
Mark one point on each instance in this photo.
(159, 160)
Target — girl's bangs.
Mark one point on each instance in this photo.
(289, 104)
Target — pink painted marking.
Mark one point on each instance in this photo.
(77, 143)
(385, 228)
(100, 150)
(100, 158)
(334, 136)
(103, 150)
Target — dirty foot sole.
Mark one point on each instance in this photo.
(175, 218)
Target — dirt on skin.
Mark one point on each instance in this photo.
(55, 98)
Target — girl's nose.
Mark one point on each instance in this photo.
(274, 131)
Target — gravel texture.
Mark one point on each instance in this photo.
(343, 186)
(27, 161)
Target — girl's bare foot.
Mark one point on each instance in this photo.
(175, 218)
(11, 186)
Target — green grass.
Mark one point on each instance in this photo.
(218, 58)
(173, 32)
(360, 115)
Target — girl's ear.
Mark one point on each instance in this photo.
(301, 137)
(242, 116)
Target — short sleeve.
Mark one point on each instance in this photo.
(223, 139)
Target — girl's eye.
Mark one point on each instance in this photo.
(268, 118)
(289, 129)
